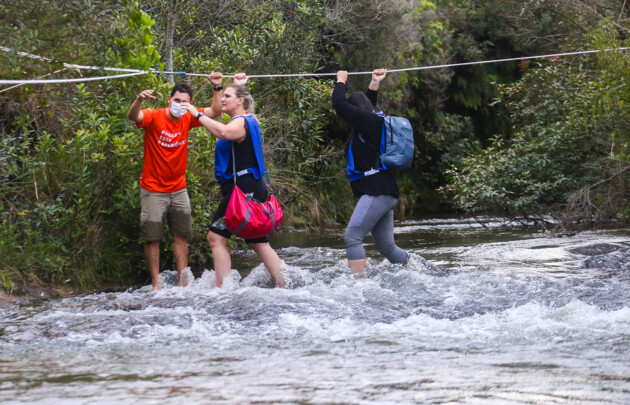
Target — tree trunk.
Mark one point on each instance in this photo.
(168, 43)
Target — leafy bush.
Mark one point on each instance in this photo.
(70, 160)
(70, 167)
(569, 116)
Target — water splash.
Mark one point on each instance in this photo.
(514, 321)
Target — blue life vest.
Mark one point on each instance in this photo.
(223, 154)
(356, 175)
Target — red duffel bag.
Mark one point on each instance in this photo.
(249, 218)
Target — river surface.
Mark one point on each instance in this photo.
(494, 315)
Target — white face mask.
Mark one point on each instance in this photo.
(177, 110)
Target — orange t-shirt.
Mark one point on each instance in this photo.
(165, 150)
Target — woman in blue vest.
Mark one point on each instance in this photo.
(372, 183)
(243, 132)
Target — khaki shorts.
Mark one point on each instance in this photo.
(158, 207)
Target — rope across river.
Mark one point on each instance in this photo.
(135, 72)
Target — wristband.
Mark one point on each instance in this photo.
(218, 88)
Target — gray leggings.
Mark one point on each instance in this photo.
(374, 214)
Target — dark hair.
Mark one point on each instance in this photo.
(362, 101)
(182, 88)
(241, 91)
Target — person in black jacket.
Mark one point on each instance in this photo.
(372, 183)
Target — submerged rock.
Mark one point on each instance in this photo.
(24, 293)
(3, 297)
(596, 249)
(605, 256)
(39, 292)
(603, 262)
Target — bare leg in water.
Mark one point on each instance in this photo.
(180, 251)
(271, 260)
(223, 261)
(220, 256)
(152, 254)
(357, 267)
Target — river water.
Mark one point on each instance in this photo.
(494, 315)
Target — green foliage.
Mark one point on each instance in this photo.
(454, 140)
(567, 117)
(56, 29)
(70, 160)
(75, 221)
(136, 49)
(68, 177)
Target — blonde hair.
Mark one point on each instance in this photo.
(248, 100)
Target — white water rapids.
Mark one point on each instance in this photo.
(495, 316)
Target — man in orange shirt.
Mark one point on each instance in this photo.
(163, 183)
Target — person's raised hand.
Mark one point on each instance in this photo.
(216, 78)
(342, 76)
(379, 74)
(146, 94)
(191, 108)
(240, 79)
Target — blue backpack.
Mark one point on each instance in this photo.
(396, 142)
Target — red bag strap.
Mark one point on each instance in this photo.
(269, 213)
